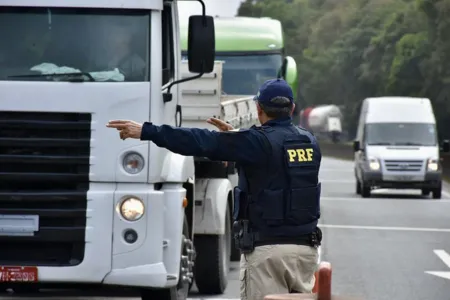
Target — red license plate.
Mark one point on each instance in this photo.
(18, 274)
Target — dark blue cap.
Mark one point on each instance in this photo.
(274, 88)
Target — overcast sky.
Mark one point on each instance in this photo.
(223, 8)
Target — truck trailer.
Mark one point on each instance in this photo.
(252, 50)
(323, 120)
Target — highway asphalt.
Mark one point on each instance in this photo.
(380, 248)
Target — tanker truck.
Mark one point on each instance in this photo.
(324, 121)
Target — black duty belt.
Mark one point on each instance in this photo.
(303, 240)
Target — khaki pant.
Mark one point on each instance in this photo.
(277, 269)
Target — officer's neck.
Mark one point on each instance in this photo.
(267, 120)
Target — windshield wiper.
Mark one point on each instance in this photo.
(73, 77)
(408, 144)
(380, 144)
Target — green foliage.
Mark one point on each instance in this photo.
(348, 50)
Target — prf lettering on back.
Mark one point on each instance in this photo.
(300, 155)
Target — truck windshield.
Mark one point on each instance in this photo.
(104, 44)
(244, 74)
(401, 134)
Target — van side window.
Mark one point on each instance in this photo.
(168, 60)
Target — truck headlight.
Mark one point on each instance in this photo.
(133, 163)
(432, 165)
(132, 208)
(374, 164)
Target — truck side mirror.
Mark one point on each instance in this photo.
(356, 146)
(445, 146)
(288, 72)
(201, 44)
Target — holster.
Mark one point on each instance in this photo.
(243, 236)
(316, 238)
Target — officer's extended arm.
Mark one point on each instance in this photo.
(242, 146)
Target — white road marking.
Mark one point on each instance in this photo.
(423, 229)
(349, 199)
(213, 298)
(336, 181)
(446, 194)
(445, 257)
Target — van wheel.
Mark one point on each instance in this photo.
(358, 187)
(437, 193)
(425, 192)
(365, 191)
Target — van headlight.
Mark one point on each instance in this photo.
(132, 208)
(432, 165)
(374, 164)
(133, 163)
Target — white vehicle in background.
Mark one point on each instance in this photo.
(79, 206)
(397, 146)
(325, 121)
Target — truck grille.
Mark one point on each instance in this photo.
(403, 165)
(44, 171)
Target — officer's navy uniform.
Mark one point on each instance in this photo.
(278, 192)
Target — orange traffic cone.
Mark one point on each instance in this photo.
(322, 287)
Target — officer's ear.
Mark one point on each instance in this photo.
(258, 108)
(293, 108)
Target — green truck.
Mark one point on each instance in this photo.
(253, 51)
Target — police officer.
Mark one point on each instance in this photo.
(277, 199)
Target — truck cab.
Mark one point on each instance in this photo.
(79, 205)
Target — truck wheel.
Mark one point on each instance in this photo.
(365, 191)
(425, 192)
(213, 260)
(358, 187)
(437, 193)
(181, 290)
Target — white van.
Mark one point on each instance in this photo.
(397, 146)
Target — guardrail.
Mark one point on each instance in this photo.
(345, 151)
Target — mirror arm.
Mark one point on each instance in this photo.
(167, 97)
(203, 11)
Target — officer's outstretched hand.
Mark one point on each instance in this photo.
(126, 128)
(221, 125)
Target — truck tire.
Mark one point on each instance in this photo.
(181, 290)
(437, 193)
(213, 260)
(365, 191)
(425, 192)
(358, 187)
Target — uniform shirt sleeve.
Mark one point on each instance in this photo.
(243, 146)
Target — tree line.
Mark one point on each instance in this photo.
(347, 50)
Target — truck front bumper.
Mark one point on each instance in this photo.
(151, 261)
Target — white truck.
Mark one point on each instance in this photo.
(77, 204)
(324, 120)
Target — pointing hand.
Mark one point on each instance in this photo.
(126, 128)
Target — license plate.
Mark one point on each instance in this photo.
(18, 274)
(404, 178)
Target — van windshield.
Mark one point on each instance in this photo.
(49, 43)
(401, 134)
